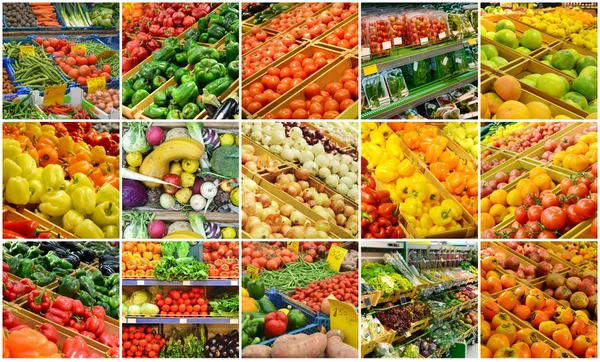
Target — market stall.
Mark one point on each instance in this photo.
(539, 180)
(181, 180)
(182, 298)
(419, 180)
(299, 180)
(60, 299)
(299, 300)
(300, 61)
(181, 61)
(539, 63)
(419, 299)
(539, 299)
(60, 180)
(61, 61)
(419, 61)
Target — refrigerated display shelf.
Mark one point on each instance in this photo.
(178, 320)
(197, 283)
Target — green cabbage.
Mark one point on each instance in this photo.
(139, 297)
(134, 310)
(149, 310)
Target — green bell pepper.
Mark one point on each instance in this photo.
(192, 34)
(56, 262)
(139, 96)
(148, 70)
(164, 54)
(254, 327)
(179, 74)
(231, 37)
(256, 289)
(266, 306)
(200, 102)
(161, 99)
(158, 81)
(245, 281)
(61, 272)
(142, 83)
(113, 279)
(170, 90)
(234, 27)
(216, 31)
(82, 273)
(97, 278)
(114, 313)
(218, 86)
(113, 291)
(33, 252)
(202, 25)
(13, 264)
(215, 19)
(25, 269)
(190, 111)
(17, 248)
(244, 339)
(173, 106)
(229, 18)
(222, 57)
(37, 268)
(114, 302)
(171, 70)
(154, 111)
(69, 286)
(87, 284)
(203, 38)
(174, 114)
(198, 53)
(126, 94)
(233, 69)
(208, 70)
(185, 94)
(43, 279)
(187, 78)
(296, 320)
(85, 298)
(100, 289)
(212, 40)
(104, 305)
(232, 51)
(173, 43)
(180, 59)
(189, 44)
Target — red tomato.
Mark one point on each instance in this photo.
(554, 218)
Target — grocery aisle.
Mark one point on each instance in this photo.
(419, 299)
(61, 61)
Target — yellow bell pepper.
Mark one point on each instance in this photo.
(385, 130)
(456, 211)
(33, 130)
(366, 128)
(377, 138)
(437, 229)
(426, 222)
(249, 305)
(374, 154)
(27, 164)
(17, 191)
(10, 148)
(441, 215)
(55, 203)
(10, 169)
(404, 188)
(406, 168)
(53, 177)
(387, 171)
(36, 188)
(392, 145)
(88, 230)
(411, 206)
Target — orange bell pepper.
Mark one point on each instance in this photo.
(412, 140)
(449, 158)
(469, 203)
(48, 155)
(472, 186)
(433, 153)
(29, 343)
(456, 182)
(440, 170)
(82, 166)
(113, 180)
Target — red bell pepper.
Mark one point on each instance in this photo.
(77, 307)
(95, 325)
(87, 334)
(28, 284)
(5, 267)
(9, 320)
(39, 301)
(113, 352)
(129, 63)
(367, 180)
(76, 323)
(49, 331)
(19, 327)
(377, 229)
(75, 347)
(389, 211)
(111, 340)
(368, 214)
(57, 315)
(275, 324)
(99, 312)
(63, 303)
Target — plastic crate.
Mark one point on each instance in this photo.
(7, 63)
(114, 42)
(91, 27)
(25, 28)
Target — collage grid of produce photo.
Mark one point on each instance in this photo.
(313, 213)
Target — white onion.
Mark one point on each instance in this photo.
(353, 194)
(276, 149)
(332, 181)
(295, 133)
(324, 172)
(334, 166)
(353, 178)
(311, 167)
(318, 149)
(346, 160)
(278, 126)
(256, 135)
(267, 130)
(354, 166)
(322, 161)
(266, 140)
(346, 181)
(278, 137)
(343, 170)
(249, 185)
(296, 153)
(306, 156)
(342, 189)
(287, 154)
(300, 144)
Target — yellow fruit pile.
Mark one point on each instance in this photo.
(579, 156)
(587, 38)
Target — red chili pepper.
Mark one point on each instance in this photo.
(8, 234)
(28, 228)
(49, 331)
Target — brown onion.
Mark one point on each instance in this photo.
(252, 222)
(286, 210)
(337, 206)
(301, 174)
(264, 199)
(349, 211)
(323, 225)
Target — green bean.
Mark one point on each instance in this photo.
(22, 109)
(299, 274)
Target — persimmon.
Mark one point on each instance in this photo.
(526, 335)
(499, 319)
(591, 352)
(564, 315)
(489, 309)
(483, 285)
(493, 273)
(508, 300)
(560, 353)
(534, 301)
(497, 341)
(485, 330)
(582, 315)
(522, 312)
(540, 350)
(509, 330)
(485, 352)
(494, 285)
(580, 345)
(508, 281)
(578, 328)
(563, 338)
(537, 317)
(506, 352)
(522, 292)
(522, 349)
(489, 263)
(547, 328)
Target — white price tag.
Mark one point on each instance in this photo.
(233, 321)
(415, 66)
(386, 45)
(442, 35)
(130, 321)
(186, 282)
(235, 283)
(365, 51)
(140, 282)
(445, 61)
(458, 60)
(182, 320)
(424, 41)
(397, 41)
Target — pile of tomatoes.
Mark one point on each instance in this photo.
(315, 26)
(548, 216)
(79, 67)
(344, 287)
(279, 80)
(379, 34)
(325, 103)
(274, 255)
(183, 303)
(264, 56)
(417, 30)
(222, 259)
(141, 341)
(345, 37)
(438, 27)
(397, 24)
(257, 37)
(294, 17)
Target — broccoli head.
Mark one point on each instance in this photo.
(225, 161)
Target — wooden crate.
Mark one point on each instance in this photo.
(505, 52)
(33, 321)
(368, 347)
(345, 24)
(11, 214)
(374, 298)
(527, 96)
(322, 78)
(420, 325)
(538, 149)
(519, 27)
(266, 24)
(498, 155)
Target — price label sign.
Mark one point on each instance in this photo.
(370, 69)
(335, 257)
(27, 50)
(55, 95)
(472, 41)
(293, 245)
(366, 301)
(252, 272)
(344, 317)
(96, 84)
(75, 48)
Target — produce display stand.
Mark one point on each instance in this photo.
(305, 315)
(269, 178)
(52, 165)
(220, 213)
(500, 287)
(52, 51)
(157, 292)
(538, 61)
(444, 293)
(299, 41)
(413, 164)
(20, 307)
(533, 159)
(390, 56)
(139, 109)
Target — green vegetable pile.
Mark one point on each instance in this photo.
(298, 274)
(187, 343)
(180, 269)
(92, 288)
(169, 248)
(226, 303)
(225, 161)
(384, 278)
(105, 15)
(35, 72)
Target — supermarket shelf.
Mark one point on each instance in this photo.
(197, 283)
(410, 55)
(422, 95)
(190, 320)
